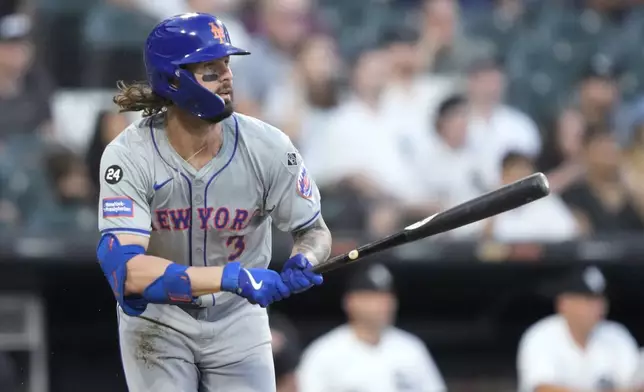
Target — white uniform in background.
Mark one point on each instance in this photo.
(639, 377)
(548, 355)
(340, 362)
(545, 220)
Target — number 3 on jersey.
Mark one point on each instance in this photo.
(237, 245)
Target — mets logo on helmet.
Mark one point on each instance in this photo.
(218, 32)
(304, 185)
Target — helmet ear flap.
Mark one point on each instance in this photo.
(192, 96)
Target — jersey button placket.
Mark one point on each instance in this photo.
(199, 234)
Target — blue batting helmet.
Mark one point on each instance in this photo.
(187, 39)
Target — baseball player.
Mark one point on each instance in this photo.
(187, 198)
(577, 349)
(368, 353)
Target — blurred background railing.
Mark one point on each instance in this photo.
(399, 107)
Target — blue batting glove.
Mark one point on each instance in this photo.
(259, 286)
(298, 274)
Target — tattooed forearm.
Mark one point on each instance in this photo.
(314, 242)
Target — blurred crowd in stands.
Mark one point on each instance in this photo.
(400, 107)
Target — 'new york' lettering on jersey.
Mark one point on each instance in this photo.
(207, 217)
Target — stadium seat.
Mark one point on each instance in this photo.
(546, 64)
(498, 32)
(23, 330)
(628, 51)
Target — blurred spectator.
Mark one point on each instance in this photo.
(451, 172)
(108, 126)
(601, 201)
(284, 25)
(545, 220)
(496, 128)
(411, 93)
(286, 352)
(598, 92)
(369, 353)
(303, 106)
(633, 162)
(444, 48)
(363, 149)
(577, 349)
(561, 155)
(25, 89)
(72, 207)
(361, 142)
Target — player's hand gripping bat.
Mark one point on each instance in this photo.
(506, 198)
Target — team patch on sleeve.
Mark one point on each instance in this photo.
(118, 207)
(304, 185)
(291, 159)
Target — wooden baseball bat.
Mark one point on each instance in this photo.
(506, 198)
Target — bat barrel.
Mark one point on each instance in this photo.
(504, 199)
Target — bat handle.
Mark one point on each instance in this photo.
(336, 262)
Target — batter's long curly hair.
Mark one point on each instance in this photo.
(138, 96)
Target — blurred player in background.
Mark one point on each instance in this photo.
(188, 195)
(368, 353)
(577, 349)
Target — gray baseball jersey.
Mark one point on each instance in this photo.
(207, 217)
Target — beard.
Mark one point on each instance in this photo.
(229, 108)
(227, 112)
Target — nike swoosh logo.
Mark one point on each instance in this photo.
(256, 285)
(159, 186)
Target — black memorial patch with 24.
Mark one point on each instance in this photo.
(113, 174)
